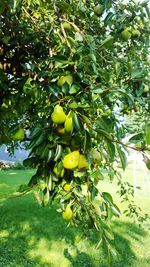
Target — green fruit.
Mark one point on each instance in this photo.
(135, 33)
(18, 135)
(67, 214)
(82, 162)
(146, 89)
(126, 35)
(58, 116)
(68, 124)
(71, 160)
(65, 79)
(66, 25)
(99, 9)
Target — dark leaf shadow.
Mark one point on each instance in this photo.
(24, 225)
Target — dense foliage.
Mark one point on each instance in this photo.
(70, 72)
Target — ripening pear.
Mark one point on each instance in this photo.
(18, 135)
(67, 187)
(82, 162)
(65, 79)
(58, 116)
(71, 160)
(66, 25)
(68, 213)
(60, 129)
(126, 34)
(68, 124)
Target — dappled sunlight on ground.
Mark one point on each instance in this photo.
(50, 252)
(31, 236)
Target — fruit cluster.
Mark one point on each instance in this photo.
(59, 117)
(126, 34)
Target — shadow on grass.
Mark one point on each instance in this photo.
(31, 236)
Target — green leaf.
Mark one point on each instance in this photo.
(6, 39)
(85, 119)
(109, 235)
(45, 152)
(58, 152)
(23, 188)
(64, 6)
(41, 184)
(87, 141)
(108, 42)
(110, 150)
(50, 155)
(30, 162)
(94, 192)
(147, 162)
(138, 74)
(115, 210)
(77, 123)
(122, 156)
(38, 196)
(147, 131)
(78, 37)
(107, 197)
(109, 213)
(105, 124)
(107, 3)
(108, 18)
(41, 138)
(137, 138)
(35, 131)
(123, 92)
(46, 198)
(73, 105)
(74, 89)
(97, 90)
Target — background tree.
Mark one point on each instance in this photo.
(69, 71)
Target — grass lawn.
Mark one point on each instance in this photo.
(31, 236)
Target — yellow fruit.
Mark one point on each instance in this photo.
(125, 34)
(61, 174)
(67, 214)
(96, 155)
(82, 162)
(65, 79)
(66, 25)
(61, 130)
(18, 135)
(68, 124)
(67, 187)
(58, 116)
(71, 160)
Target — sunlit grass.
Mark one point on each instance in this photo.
(31, 236)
